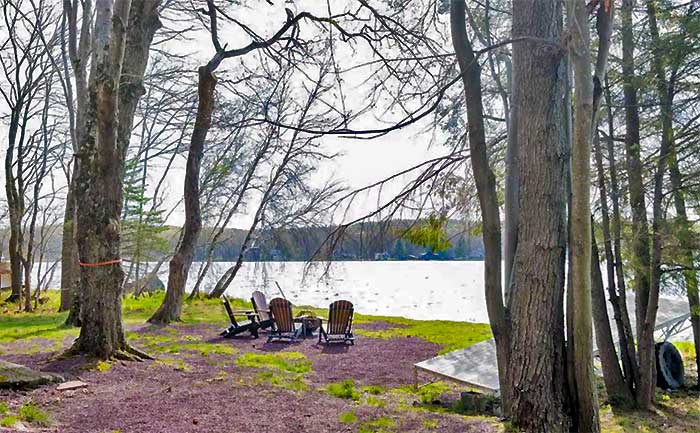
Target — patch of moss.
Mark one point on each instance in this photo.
(377, 425)
(290, 381)
(9, 421)
(103, 366)
(373, 389)
(430, 423)
(448, 334)
(4, 408)
(427, 394)
(31, 413)
(292, 362)
(347, 417)
(374, 401)
(345, 389)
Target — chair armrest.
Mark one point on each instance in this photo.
(246, 312)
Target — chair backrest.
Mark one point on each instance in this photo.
(229, 311)
(260, 303)
(281, 310)
(340, 317)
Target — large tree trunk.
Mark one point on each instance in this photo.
(169, 310)
(486, 189)
(99, 198)
(537, 364)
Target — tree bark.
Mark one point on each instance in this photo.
(79, 47)
(537, 364)
(647, 382)
(619, 395)
(585, 416)
(628, 351)
(14, 210)
(99, 198)
(69, 270)
(486, 189)
(685, 239)
(170, 309)
(640, 260)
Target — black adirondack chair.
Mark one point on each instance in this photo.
(338, 328)
(251, 325)
(283, 326)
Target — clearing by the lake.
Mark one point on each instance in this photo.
(200, 382)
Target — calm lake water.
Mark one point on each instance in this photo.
(450, 290)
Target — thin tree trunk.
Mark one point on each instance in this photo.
(646, 340)
(619, 395)
(79, 47)
(69, 259)
(14, 245)
(628, 351)
(640, 260)
(170, 309)
(486, 189)
(685, 239)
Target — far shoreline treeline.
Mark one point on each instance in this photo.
(371, 242)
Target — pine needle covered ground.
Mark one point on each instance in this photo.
(200, 382)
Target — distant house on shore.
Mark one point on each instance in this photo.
(382, 256)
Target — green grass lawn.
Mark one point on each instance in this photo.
(46, 323)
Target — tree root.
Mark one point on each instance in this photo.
(162, 319)
(126, 353)
(137, 353)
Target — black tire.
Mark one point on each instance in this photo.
(669, 366)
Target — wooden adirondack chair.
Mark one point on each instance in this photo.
(339, 326)
(283, 326)
(261, 309)
(251, 325)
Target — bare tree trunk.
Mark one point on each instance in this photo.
(647, 352)
(537, 364)
(617, 397)
(628, 352)
(15, 212)
(69, 259)
(640, 261)
(79, 47)
(686, 241)
(618, 392)
(585, 416)
(99, 198)
(170, 309)
(486, 189)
